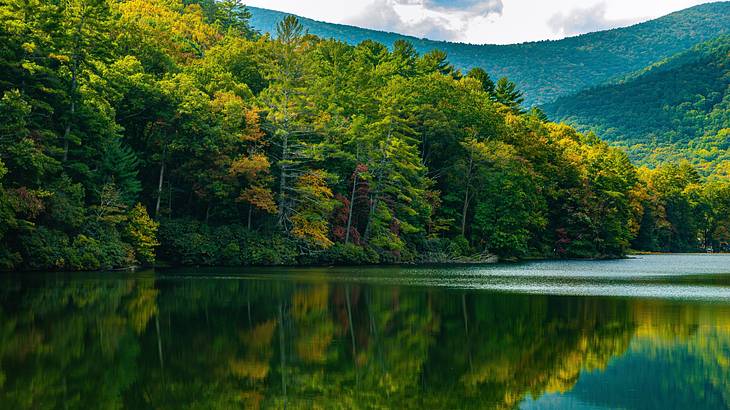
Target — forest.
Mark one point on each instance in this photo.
(143, 131)
(566, 66)
(684, 110)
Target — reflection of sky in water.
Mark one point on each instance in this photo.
(657, 372)
(697, 276)
(560, 401)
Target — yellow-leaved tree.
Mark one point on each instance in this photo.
(315, 204)
(141, 231)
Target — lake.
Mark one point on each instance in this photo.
(650, 332)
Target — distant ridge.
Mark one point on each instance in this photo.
(675, 109)
(546, 70)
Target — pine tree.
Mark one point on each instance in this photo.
(506, 93)
(233, 15)
(83, 42)
(484, 79)
(120, 166)
(397, 175)
(287, 102)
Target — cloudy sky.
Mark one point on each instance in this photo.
(482, 21)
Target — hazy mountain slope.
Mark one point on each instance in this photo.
(678, 108)
(546, 70)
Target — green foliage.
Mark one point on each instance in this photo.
(119, 165)
(347, 254)
(189, 242)
(676, 109)
(680, 214)
(506, 93)
(283, 149)
(504, 217)
(47, 249)
(142, 231)
(228, 15)
(484, 79)
(545, 70)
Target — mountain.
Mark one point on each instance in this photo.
(546, 70)
(678, 108)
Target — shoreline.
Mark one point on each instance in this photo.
(462, 262)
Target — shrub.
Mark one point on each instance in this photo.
(348, 254)
(48, 249)
(141, 231)
(44, 248)
(188, 242)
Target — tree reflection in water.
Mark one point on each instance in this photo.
(141, 342)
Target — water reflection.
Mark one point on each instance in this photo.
(102, 342)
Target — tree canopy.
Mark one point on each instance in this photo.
(147, 129)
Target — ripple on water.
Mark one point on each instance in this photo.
(682, 276)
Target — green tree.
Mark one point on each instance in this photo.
(484, 79)
(286, 102)
(141, 231)
(507, 94)
(233, 14)
(83, 44)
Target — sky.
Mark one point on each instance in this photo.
(481, 21)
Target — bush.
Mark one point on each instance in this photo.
(188, 242)
(84, 254)
(459, 246)
(185, 242)
(141, 232)
(274, 250)
(44, 248)
(349, 254)
(48, 249)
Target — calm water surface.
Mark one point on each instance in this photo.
(651, 332)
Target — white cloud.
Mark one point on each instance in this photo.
(481, 21)
(585, 20)
(392, 15)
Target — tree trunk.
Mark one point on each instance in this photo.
(250, 210)
(378, 179)
(373, 206)
(463, 212)
(72, 113)
(74, 84)
(352, 206)
(282, 181)
(159, 184)
(466, 197)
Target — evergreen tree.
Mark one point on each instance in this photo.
(484, 79)
(506, 93)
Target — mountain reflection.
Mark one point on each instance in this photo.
(100, 342)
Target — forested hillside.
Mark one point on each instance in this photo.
(676, 109)
(546, 70)
(139, 130)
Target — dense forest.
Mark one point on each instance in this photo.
(678, 108)
(566, 66)
(159, 129)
